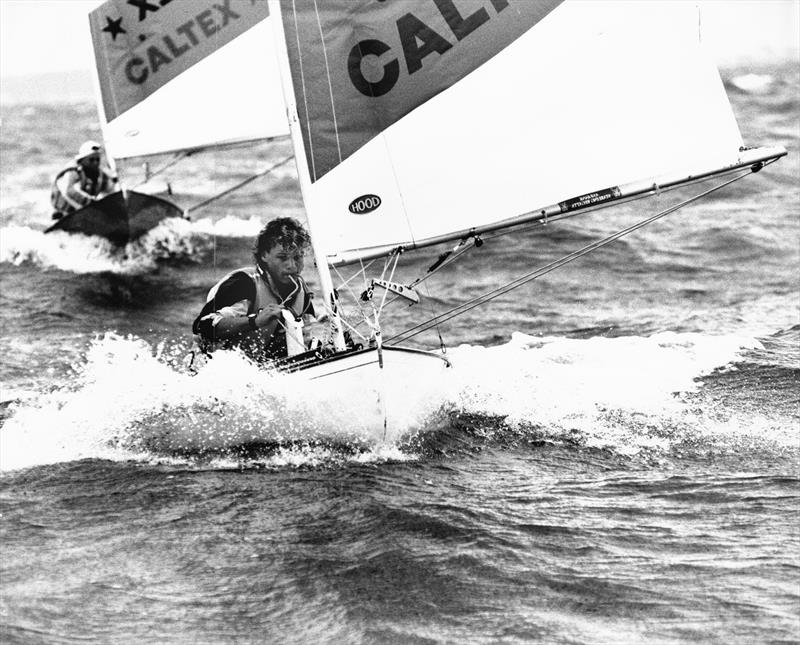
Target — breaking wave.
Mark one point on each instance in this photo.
(628, 395)
(753, 83)
(172, 239)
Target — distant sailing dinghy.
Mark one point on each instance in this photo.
(420, 122)
(176, 92)
(120, 217)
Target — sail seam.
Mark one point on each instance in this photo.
(330, 84)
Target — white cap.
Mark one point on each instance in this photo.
(88, 148)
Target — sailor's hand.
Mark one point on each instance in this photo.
(267, 314)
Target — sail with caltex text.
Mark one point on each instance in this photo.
(174, 78)
(360, 65)
(427, 120)
(140, 45)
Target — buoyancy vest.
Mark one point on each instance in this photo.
(259, 344)
(59, 199)
(64, 202)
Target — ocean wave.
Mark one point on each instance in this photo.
(228, 226)
(172, 239)
(628, 395)
(753, 83)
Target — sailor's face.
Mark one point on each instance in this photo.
(283, 264)
(91, 160)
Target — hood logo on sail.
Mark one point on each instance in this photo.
(364, 204)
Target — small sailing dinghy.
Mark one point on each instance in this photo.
(422, 122)
(419, 123)
(166, 96)
(120, 217)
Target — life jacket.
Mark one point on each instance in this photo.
(259, 344)
(61, 202)
(61, 199)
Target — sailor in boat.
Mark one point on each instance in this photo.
(261, 310)
(81, 183)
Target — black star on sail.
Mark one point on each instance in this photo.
(114, 27)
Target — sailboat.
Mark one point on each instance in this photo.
(417, 124)
(170, 96)
(425, 122)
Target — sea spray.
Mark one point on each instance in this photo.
(129, 400)
(631, 394)
(170, 240)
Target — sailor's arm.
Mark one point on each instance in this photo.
(229, 322)
(74, 191)
(68, 185)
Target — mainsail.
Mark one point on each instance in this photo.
(423, 121)
(170, 75)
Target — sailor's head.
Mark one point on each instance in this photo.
(280, 249)
(89, 154)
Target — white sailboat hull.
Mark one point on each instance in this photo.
(368, 362)
(379, 397)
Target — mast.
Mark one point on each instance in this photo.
(101, 112)
(320, 258)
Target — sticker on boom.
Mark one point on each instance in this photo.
(364, 204)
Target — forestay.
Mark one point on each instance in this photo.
(171, 79)
(422, 120)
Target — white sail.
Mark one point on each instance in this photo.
(208, 105)
(593, 96)
(172, 76)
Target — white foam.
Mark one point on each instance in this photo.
(617, 393)
(134, 401)
(89, 254)
(228, 226)
(756, 83)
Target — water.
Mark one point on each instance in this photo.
(612, 459)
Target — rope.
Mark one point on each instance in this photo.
(533, 275)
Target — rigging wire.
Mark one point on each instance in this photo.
(180, 156)
(175, 159)
(244, 182)
(346, 284)
(528, 277)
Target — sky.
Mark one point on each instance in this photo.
(39, 36)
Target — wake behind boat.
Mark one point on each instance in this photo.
(119, 217)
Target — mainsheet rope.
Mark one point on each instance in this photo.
(533, 275)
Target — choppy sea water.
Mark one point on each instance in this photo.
(612, 459)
